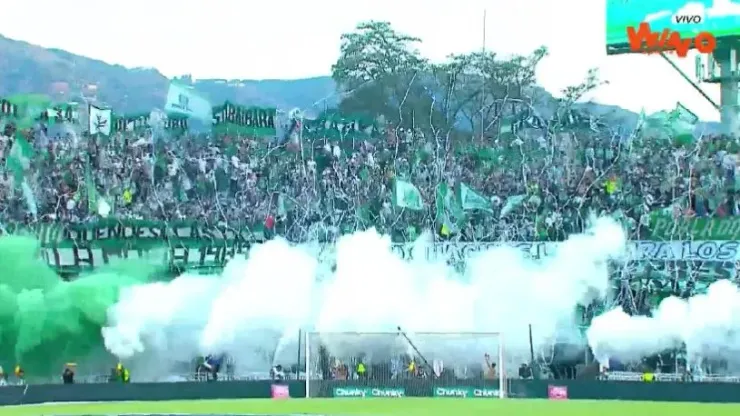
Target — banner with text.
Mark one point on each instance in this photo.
(466, 392)
(368, 392)
(664, 267)
(182, 244)
(140, 122)
(666, 227)
(334, 125)
(710, 251)
(195, 244)
(234, 119)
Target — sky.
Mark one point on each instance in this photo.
(290, 39)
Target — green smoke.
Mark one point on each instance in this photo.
(45, 321)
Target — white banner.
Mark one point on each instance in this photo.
(715, 251)
(721, 251)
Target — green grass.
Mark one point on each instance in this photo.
(385, 407)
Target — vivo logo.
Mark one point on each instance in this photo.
(686, 18)
(643, 39)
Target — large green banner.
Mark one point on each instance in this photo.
(27, 109)
(235, 119)
(720, 18)
(8, 109)
(665, 227)
(334, 125)
(180, 244)
(140, 122)
(192, 244)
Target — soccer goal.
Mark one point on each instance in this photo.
(399, 364)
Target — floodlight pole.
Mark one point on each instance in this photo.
(727, 57)
(483, 81)
(689, 80)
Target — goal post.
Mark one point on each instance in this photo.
(400, 364)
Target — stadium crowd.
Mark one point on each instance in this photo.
(322, 187)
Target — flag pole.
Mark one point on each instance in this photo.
(483, 79)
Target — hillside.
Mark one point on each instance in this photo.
(27, 68)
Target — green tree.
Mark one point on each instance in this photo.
(569, 117)
(454, 90)
(380, 72)
(488, 89)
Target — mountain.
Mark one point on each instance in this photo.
(27, 68)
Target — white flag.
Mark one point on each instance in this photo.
(186, 101)
(100, 121)
(104, 208)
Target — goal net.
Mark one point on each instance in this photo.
(399, 364)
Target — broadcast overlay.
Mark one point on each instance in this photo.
(721, 18)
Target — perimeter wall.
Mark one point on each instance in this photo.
(577, 389)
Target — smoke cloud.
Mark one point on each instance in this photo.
(45, 321)
(253, 311)
(707, 324)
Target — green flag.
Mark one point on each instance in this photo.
(449, 212)
(19, 163)
(471, 200)
(284, 204)
(30, 108)
(676, 125)
(406, 195)
(682, 123)
(92, 192)
(95, 202)
(19, 159)
(512, 203)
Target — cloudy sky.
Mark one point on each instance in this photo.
(295, 39)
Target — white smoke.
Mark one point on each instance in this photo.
(707, 324)
(253, 311)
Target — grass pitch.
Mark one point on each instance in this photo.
(383, 407)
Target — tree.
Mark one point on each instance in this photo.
(455, 91)
(568, 117)
(373, 53)
(475, 95)
(380, 72)
(574, 93)
(475, 92)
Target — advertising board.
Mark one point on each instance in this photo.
(673, 22)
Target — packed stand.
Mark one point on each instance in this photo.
(321, 188)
